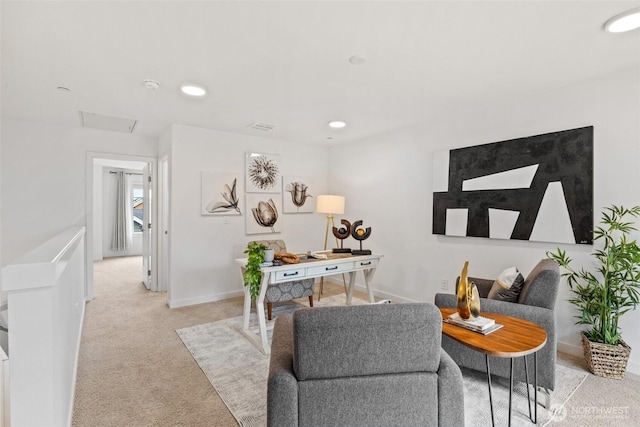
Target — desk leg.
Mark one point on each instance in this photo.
(352, 282)
(246, 314)
(261, 342)
(493, 421)
(260, 313)
(321, 288)
(368, 275)
(344, 282)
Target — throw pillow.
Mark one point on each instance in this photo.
(507, 286)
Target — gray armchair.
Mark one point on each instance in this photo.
(368, 365)
(286, 291)
(536, 304)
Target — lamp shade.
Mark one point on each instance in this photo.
(330, 204)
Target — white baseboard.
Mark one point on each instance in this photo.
(204, 299)
(633, 367)
(385, 295)
(376, 293)
(576, 350)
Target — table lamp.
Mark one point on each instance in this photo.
(330, 205)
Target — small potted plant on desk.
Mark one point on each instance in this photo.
(602, 299)
(252, 275)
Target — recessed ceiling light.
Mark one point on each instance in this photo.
(193, 90)
(337, 124)
(151, 84)
(357, 60)
(626, 21)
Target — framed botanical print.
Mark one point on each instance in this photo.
(262, 173)
(298, 194)
(220, 194)
(262, 214)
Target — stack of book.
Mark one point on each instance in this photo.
(481, 325)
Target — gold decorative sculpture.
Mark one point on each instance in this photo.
(468, 298)
(360, 233)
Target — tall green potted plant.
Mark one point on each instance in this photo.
(252, 275)
(604, 296)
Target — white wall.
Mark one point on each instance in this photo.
(3, 296)
(203, 248)
(390, 188)
(44, 176)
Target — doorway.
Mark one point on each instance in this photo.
(163, 229)
(141, 171)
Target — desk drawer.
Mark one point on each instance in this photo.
(283, 276)
(329, 269)
(369, 263)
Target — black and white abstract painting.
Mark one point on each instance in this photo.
(262, 173)
(538, 188)
(221, 193)
(298, 195)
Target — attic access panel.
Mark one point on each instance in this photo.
(538, 188)
(99, 121)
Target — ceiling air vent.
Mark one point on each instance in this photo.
(261, 126)
(98, 121)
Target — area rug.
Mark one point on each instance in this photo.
(238, 370)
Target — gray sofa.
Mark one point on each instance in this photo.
(369, 365)
(536, 304)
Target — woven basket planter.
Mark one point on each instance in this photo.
(605, 360)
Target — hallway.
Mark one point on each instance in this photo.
(133, 369)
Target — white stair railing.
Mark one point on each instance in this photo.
(45, 300)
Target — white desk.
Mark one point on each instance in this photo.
(337, 264)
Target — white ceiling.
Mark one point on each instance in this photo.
(286, 63)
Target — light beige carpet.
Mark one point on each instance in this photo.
(236, 368)
(238, 371)
(135, 371)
